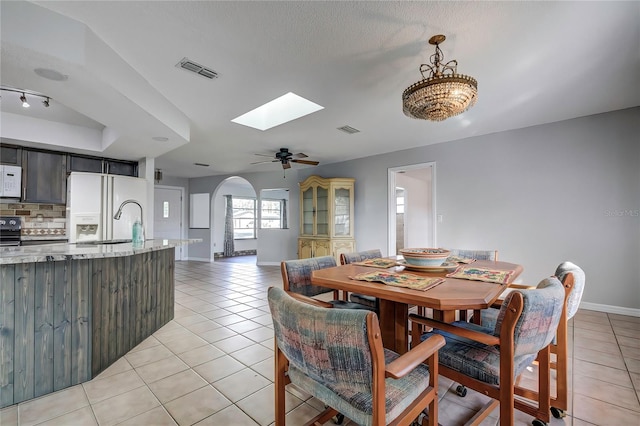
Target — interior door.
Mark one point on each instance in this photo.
(419, 206)
(167, 208)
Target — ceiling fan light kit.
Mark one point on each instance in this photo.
(441, 94)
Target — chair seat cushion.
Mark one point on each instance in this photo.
(343, 304)
(358, 406)
(364, 299)
(475, 359)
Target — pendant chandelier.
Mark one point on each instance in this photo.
(443, 93)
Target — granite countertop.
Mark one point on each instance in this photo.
(66, 251)
(47, 237)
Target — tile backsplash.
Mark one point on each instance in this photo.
(38, 220)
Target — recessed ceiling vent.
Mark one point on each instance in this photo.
(189, 65)
(348, 129)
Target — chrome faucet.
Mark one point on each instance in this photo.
(124, 203)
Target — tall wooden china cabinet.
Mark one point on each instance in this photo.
(326, 217)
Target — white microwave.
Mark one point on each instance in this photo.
(10, 181)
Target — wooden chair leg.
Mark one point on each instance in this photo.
(544, 384)
(432, 362)
(280, 383)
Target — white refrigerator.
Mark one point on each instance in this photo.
(92, 201)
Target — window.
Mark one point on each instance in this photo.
(244, 218)
(271, 214)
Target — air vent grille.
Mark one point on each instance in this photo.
(348, 129)
(201, 70)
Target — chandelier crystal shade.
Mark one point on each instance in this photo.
(442, 93)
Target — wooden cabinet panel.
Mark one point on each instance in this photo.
(79, 163)
(122, 168)
(305, 248)
(64, 322)
(342, 246)
(322, 248)
(10, 155)
(44, 177)
(309, 247)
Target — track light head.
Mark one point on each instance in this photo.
(46, 100)
(23, 99)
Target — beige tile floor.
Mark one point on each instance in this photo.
(213, 365)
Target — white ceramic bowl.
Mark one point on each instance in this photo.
(425, 256)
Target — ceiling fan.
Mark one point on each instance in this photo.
(286, 158)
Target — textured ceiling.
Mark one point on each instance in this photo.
(535, 62)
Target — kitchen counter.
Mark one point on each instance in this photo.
(67, 251)
(69, 311)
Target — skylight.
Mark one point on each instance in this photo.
(278, 111)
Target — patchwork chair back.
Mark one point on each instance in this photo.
(336, 355)
(477, 255)
(359, 256)
(490, 360)
(573, 279)
(296, 280)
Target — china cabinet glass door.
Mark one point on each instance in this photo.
(342, 218)
(322, 211)
(307, 212)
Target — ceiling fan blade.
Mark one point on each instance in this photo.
(286, 165)
(299, 155)
(264, 155)
(311, 163)
(262, 162)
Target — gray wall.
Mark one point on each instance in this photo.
(540, 195)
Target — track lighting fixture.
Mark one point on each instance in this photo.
(46, 100)
(23, 99)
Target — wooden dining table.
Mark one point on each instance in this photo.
(445, 299)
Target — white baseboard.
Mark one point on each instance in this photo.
(268, 263)
(198, 259)
(610, 309)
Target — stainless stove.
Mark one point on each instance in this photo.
(10, 227)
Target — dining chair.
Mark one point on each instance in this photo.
(359, 256)
(296, 280)
(573, 280)
(336, 355)
(475, 254)
(472, 254)
(489, 360)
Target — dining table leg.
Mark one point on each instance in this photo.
(444, 316)
(394, 320)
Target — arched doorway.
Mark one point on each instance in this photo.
(244, 210)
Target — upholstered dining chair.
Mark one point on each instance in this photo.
(573, 280)
(359, 256)
(475, 254)
(489, 360)
(472, 254)
(336, 355)
(296, 280)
